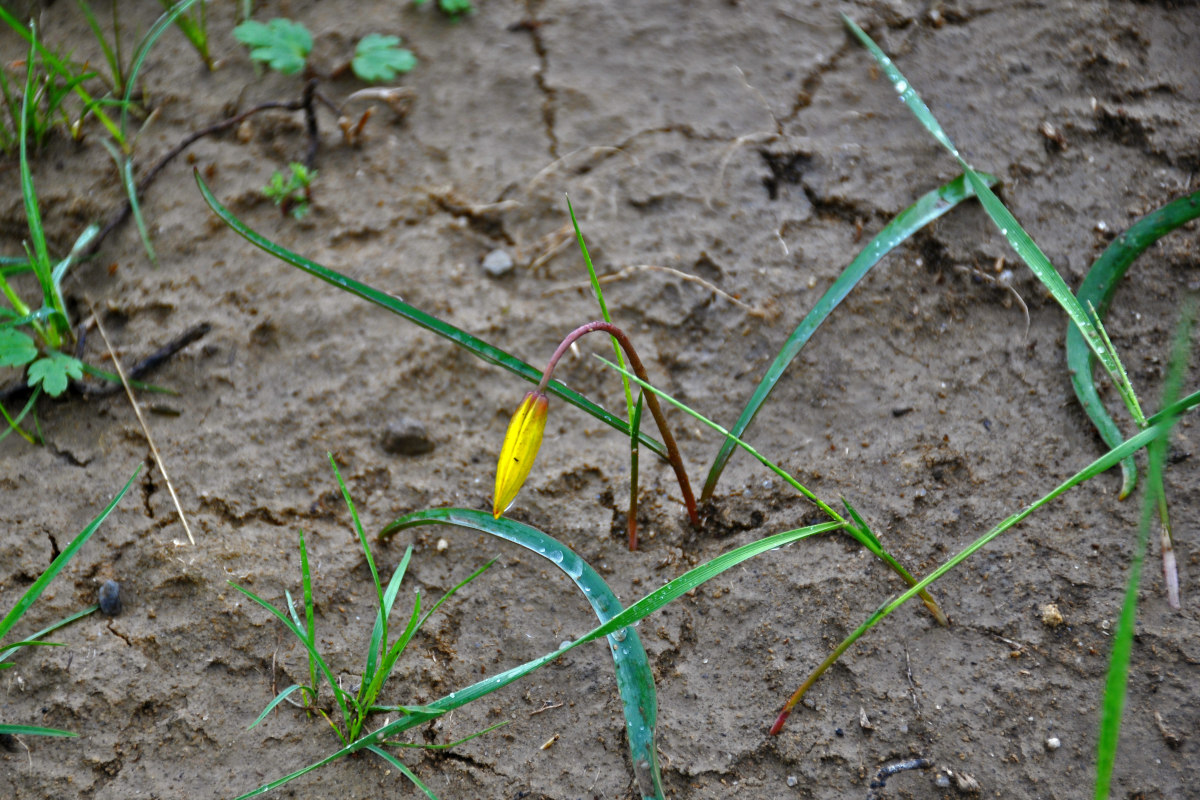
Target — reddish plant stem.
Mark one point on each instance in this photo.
(651, 402)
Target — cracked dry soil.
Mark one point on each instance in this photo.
(748, 144)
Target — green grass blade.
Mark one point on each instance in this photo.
(378, 633)
(34, 730)
(1156, 426)
(8, 649)
(314, 655)
(310, 622)
(15, 424)
(635, 681)
(126, 168)
(114, 64)
(33, 216)
(81, 244)
(56, 566)
(279, 698)
(112, 377)
(473, 345)
(1097, 290)
(906, 223)
(1122, 649)
(403, 769)
(453, 590)
(598, 293)
(1016, 236)
(143, 50)
(358, 528)
(638, 611)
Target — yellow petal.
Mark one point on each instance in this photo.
(520, 448)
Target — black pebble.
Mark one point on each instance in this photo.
(110, 598)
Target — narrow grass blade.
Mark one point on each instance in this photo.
(1016, 236)
(635, 680)
(9, 649)
(314, 655)
(34, 730)
(112, 377)
(1122, 650)
(598, 293)
(1156, 426)
(403, 769)
(906, 223)
(378, 633)
(143, 50)
(473, 345)
(77, 250)
(114, 64)
(1097, 291)
(33, 216)
(279, 698)
(638, 611)
(15, 424)
(56, 566)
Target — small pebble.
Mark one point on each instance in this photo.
(110, 598)
(442, 545)
(497, 263)
(792, 780)
(1053, 743)
(1051, 616)
(942, 780)
(406, 437)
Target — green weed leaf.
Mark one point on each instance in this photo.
(16, 348)
(281, 44)
(377, 58)
(53, 371)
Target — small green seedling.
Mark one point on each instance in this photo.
(281, 44)
(284, 45)
(379, 58)
(451, 8)
(294, 193)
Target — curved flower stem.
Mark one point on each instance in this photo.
(651, 402)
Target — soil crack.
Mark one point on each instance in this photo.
(532, 25)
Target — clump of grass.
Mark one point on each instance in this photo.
(7, 650)
(352, 709)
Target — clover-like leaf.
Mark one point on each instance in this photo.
(53, 371)
(16, 348)
(282, 44)
(377, 58)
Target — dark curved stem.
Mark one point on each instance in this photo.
(651, 402)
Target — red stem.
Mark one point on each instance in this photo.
(651, 402)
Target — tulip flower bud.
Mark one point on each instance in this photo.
(521, 445)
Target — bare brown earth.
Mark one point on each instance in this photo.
(747, 144)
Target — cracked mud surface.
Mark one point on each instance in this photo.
(748, 145)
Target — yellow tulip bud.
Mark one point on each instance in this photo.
(521, 445)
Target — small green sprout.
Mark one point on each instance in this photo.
(377, 58)
(451, 8)
(282, 44)
(293, 194)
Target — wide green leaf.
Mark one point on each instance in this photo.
(635, 681)
(1097, 291)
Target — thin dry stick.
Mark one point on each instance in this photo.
(142, 420)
